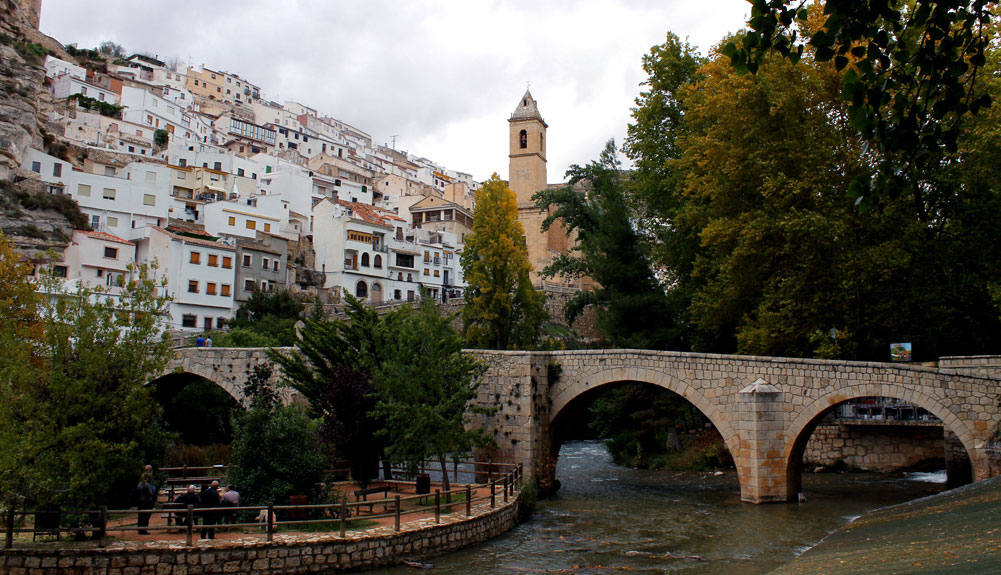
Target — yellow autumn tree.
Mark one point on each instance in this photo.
(502, 308)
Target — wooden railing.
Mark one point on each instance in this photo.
(498, 485)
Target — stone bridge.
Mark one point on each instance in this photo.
(764, 407)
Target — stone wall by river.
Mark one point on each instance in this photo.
(874, 447)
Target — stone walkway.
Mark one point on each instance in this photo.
(242, 536)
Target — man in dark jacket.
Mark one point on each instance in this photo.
(210, 499)
(145, 498)
(189, 497)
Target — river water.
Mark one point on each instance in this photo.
(608, 519)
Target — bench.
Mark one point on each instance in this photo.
(362, 495)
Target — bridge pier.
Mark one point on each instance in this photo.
(758, 456)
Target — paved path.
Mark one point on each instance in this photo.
(955, 532)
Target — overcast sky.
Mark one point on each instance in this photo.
(443, 76)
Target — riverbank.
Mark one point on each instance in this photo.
(950, 533)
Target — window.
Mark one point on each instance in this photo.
(150, 177)
(183, 162)
(397, 294)
(378, 262)
(436, 274)
(364, 260)
(227, 262)
(267, 227)
(209, 288)
(36, 167)
(109, 170)
(247, 260)
(149, 200)
(251, 225)
(112, 222)
(361, 290)
(523, 139)
(195, 258)
(208, 323)
(427, 271)
(214, 260)
(224, 290)
(232, 221)
(275, 265)
(217, 166)
(192, 286)
(109, 193)
(249, 285)
(83, 190)
(427, 257)
(189, 320)
(95, 222)
(57, 169)
(110, 252)
(239, 171)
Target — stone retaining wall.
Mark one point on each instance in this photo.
(316, 554)
(876, 447)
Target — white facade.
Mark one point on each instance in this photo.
(247, 216)
(65, 85)
(200, 277)
(57, 67)
(144, 108)
(96, 260)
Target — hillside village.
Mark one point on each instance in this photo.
(231, 192)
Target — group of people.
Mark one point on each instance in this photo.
(208, 500)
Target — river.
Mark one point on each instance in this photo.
(608, 518)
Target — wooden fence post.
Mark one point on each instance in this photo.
(9, 539)
(437, 505)
(505, 488)
(396, 523)
(493, 496)
(271, 522)
(103, 526)
(469, 500)
(190, 527)
(344, 516)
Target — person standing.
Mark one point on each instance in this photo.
(229, 498)
(200, 342)
(145, 498)
(210, 501)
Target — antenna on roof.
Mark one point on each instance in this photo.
(393, 137)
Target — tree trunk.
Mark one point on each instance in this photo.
(444, 472)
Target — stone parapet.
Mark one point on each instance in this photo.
(286, 555)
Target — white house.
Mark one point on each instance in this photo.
(57, 67)
(200, 277)
(66, 85)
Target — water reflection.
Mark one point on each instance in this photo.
(609, 518)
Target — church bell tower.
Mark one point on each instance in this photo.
(527, 175)
(527, 168)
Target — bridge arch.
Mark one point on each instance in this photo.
(664, 379)
(809, 415)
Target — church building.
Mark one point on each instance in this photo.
(527, 175)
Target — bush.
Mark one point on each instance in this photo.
(275, 454)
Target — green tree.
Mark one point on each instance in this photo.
(911, 76)
(85, 422)
(502, 308)
(332, 366)
(424, 387)
(266, 319)
(632, 306)
(161, 137)
(294, 462)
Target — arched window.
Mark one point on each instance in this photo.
(378, 262)
(361, 290)
(364, 260)
(523, 139)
